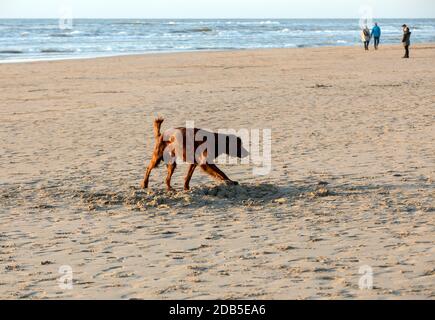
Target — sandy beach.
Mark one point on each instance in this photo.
(351, 187)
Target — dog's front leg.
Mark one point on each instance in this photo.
(189, 174)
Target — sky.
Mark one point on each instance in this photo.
(216, 8)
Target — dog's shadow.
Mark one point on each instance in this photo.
(221, 195)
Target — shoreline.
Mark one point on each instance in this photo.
(163, 53)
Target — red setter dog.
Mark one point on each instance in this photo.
(174, 143)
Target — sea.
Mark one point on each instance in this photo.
(50, 39)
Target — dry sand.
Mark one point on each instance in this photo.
(75, 135)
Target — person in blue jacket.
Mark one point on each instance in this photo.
(376, 34)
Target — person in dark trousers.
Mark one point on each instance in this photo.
(376, 34)
(406, 40)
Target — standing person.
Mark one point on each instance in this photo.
(406, 40)
(365, 37)
(376, 34)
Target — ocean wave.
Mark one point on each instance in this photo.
(61, 35)
(133, 23)
(70, 34)
(215, 48)
(183, 47)
(270, 22)
(194, 30)
(253, 22)
(422, 27)
(11, 52)
(53, 50)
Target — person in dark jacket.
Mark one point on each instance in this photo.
(406, 40)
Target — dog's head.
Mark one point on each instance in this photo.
(234, 147)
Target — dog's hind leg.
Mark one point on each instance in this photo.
(171, 169)
(216, 173)
(189, 174)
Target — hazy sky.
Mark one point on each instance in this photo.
(216, 8)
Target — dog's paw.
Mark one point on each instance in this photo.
(232, 183)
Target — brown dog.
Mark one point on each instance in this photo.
(174, 143)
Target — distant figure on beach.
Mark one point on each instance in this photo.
(406, 40)
(365, 37)
(376, 34)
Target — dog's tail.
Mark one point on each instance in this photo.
(157, 125)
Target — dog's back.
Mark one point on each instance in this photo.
(213, 144)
